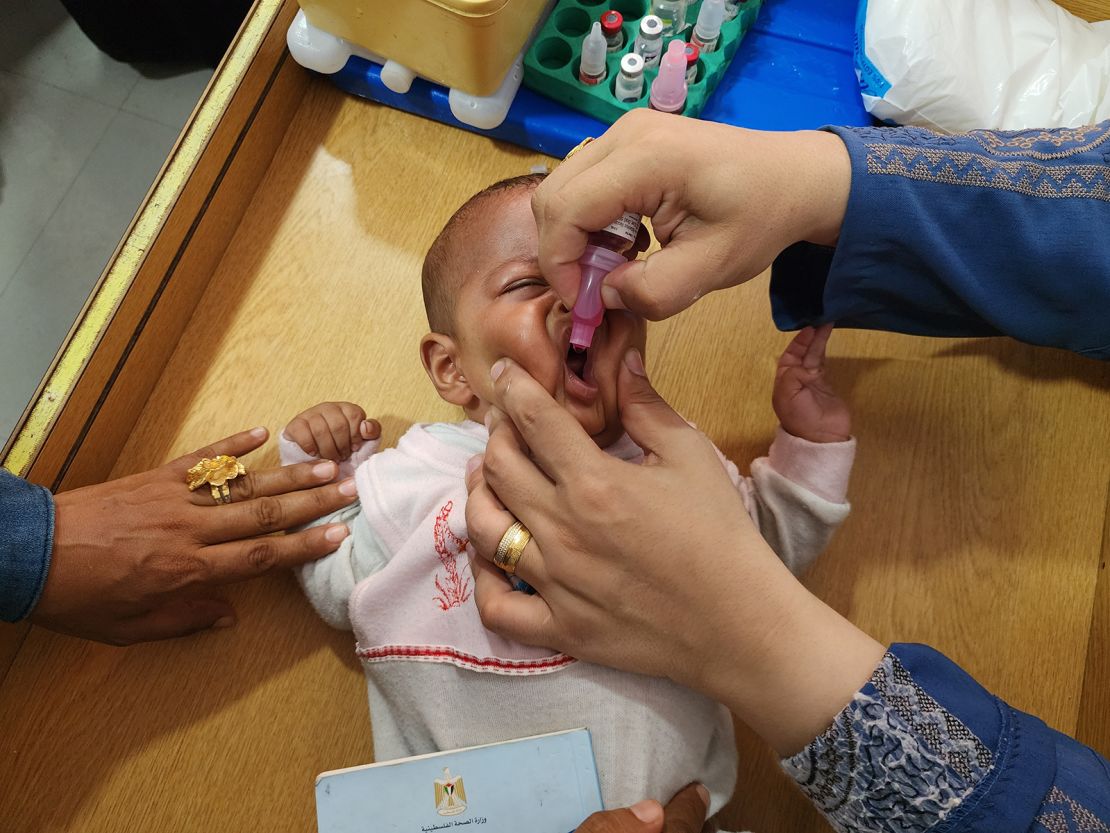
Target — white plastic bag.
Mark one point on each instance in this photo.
(957, 65)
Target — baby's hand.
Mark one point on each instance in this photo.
(804, 401)
(332, 430)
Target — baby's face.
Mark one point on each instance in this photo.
(504, 308)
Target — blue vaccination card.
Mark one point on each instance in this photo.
(543, 784)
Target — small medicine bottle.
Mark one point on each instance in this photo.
(630, 81)
(605, 251)
(668, 90)
(692, 55)
(732, 8)
(673, 15)
(649, 43)
(707, 30)
(591, 67)
(612, 23)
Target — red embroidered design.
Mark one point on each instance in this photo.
(454, 590)
(434, 653)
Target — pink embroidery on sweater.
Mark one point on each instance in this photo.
(454, 591)
(433, 653)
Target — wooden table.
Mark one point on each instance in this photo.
(980, 498)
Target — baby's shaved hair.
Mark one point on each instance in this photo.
(437, 280)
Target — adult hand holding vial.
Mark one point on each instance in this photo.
(723, 203)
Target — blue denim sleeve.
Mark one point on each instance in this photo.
(26, 541)
(977, 234)
(923, 747)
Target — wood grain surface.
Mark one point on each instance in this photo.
(1087, 9)
(979, 500)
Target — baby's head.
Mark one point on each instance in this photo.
(486, 299)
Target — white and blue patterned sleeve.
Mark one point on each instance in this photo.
(974, 234)
(923, 747)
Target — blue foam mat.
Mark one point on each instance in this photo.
(794, 70)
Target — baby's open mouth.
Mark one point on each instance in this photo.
(576, 361)
(580, 382)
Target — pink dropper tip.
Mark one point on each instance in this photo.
(581, 335)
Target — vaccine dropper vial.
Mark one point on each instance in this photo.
(605, 251)
(668, 90)
(630, 82)
(707, 31)
(649, 43)
(591, 69)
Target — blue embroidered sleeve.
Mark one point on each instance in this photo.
(26, 541)
(923, 747)
(977, 234)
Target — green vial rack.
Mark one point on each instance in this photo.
(551, 64)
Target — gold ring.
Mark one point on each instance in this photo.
(512, 547)
(216, 473)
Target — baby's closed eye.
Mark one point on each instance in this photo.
(525, 283)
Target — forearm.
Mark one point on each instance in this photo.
(790, 661)
(26, 543)
(970, 235)
(924, 743)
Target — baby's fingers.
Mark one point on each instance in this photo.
(815, 352)
(299, 431)
(322, 435)
(795, 352)
(370, 429)
(359, 428)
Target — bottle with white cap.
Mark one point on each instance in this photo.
(649, 43)
(630, 82)
(591, 69)
(707, 31)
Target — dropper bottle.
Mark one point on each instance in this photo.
(707, 31)
(591, 68)
(605, 251)
(668, 90)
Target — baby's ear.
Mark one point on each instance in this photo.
(439, 353)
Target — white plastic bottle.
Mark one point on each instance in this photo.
(707, 30)
(591, 68)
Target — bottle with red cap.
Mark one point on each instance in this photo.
(692, 55)
(612, 23)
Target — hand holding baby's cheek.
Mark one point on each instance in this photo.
(622, 551)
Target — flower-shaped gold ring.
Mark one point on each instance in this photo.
(215, 472)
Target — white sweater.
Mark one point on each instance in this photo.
(437, 679)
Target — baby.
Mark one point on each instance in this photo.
(437, 679)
